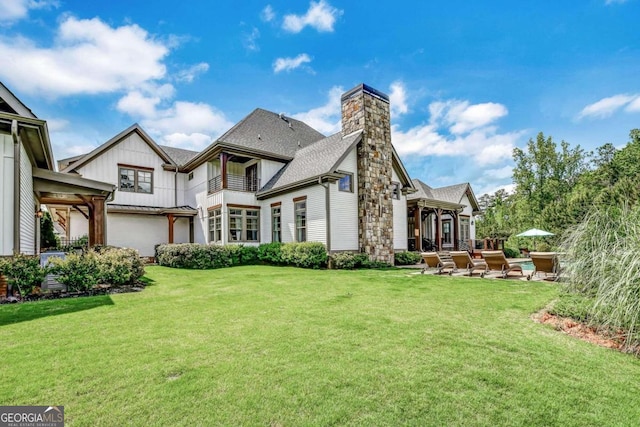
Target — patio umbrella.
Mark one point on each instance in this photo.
(534, 232)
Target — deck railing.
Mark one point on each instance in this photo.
(234, 182)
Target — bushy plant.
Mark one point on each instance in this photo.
(305, 254)
(511, 253)
(270, 253)
(407, 258)
(23, 272)
(600, 261)
(349, 261)
(119, 266)
(79, 272)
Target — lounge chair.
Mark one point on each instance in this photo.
(496, 261)
(463, 261)
(433, 260)
(544, 262)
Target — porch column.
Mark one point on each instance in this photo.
(170, 220)
(417, 226)
(96, 220)
(438, 229)
(223, 169)
(456, 232)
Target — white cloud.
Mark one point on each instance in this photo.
(321, 16)
(250, 40)
(189, 74)
(634, 106)
(326, 118)
(88, 57)
(288, 64)
(469, 133)
(398, 99)
(501, 173)
(607, 106)
(56, 125)
(13, 10)
(268, 14)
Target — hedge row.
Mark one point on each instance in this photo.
(201, 256)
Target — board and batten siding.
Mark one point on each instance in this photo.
(6, 194)
(133, 151)
(196, 196)
(143, 232)
(400, 223)
(27, 205)
(344, 209)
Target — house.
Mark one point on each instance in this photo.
(269, 178)
(29, 181)
(442, 218)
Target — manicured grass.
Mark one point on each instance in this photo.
(283, 346)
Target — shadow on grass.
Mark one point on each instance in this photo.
(147, 281)
(16, 313)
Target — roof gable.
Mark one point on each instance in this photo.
(135, 128)
(9, 103)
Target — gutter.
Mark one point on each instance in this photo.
(16, 187)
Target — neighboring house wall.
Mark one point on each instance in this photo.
(133, 151)
(344, 209)
(27, 206)
(6, 194)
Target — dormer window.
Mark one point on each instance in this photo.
(135, 179)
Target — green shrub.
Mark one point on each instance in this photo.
(305, 254)
(576, 306)
(79, 272)
(270, 253)
(375, 264)
(511, 253)
(119, 266)
(348, 260)
(23, 272)
(407, 258)
(248, 255)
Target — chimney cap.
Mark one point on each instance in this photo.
(366, 89)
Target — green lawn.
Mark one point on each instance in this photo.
(287, 347)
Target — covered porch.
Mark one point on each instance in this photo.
(435, 225)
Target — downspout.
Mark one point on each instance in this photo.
(16, 187)
(328, 212)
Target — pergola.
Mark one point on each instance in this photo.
(422, 211)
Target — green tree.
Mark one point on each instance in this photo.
(48, 238)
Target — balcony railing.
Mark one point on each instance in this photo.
(234, 182)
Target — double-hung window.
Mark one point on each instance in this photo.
(215, 225)
(135, 179)
(395, 190)
(244, 225)
(276, 224)
(300, 207)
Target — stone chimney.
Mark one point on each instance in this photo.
(368, 109)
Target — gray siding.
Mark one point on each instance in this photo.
(27, 206)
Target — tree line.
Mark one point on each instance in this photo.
(556, 185)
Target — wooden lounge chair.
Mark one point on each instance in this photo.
(463, 261)
(433, 260)
(496, 261)
(544, 262)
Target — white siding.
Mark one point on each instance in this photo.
(141, 232)
(268, 169)
(468, 211)
(79, 226)
(6, 194)
(344, 209)
(400, 232)
(196, 196)
(27, 206)
(135, 152)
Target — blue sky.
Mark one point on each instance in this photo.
(468, 81)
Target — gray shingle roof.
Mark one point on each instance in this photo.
(179, 155)
(451, 193)
(317, 159)
(269, 132)
(424, 191)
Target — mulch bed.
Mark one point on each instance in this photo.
(600, 336)
(98, 290)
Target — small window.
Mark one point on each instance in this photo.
(190, 176)
(301, 220)
(346, 183)
(135, 180)
(276, 224)
(395, 190)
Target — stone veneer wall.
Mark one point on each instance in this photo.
(366, 108)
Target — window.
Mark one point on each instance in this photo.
(395, 190)
(446, 231)
(301, 220)
(276, 224)
(346, 183)
(215, 225)
(136, 180)
(190, 176)
(244, 225)
(465, 229)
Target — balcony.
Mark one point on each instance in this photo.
(234, 182)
